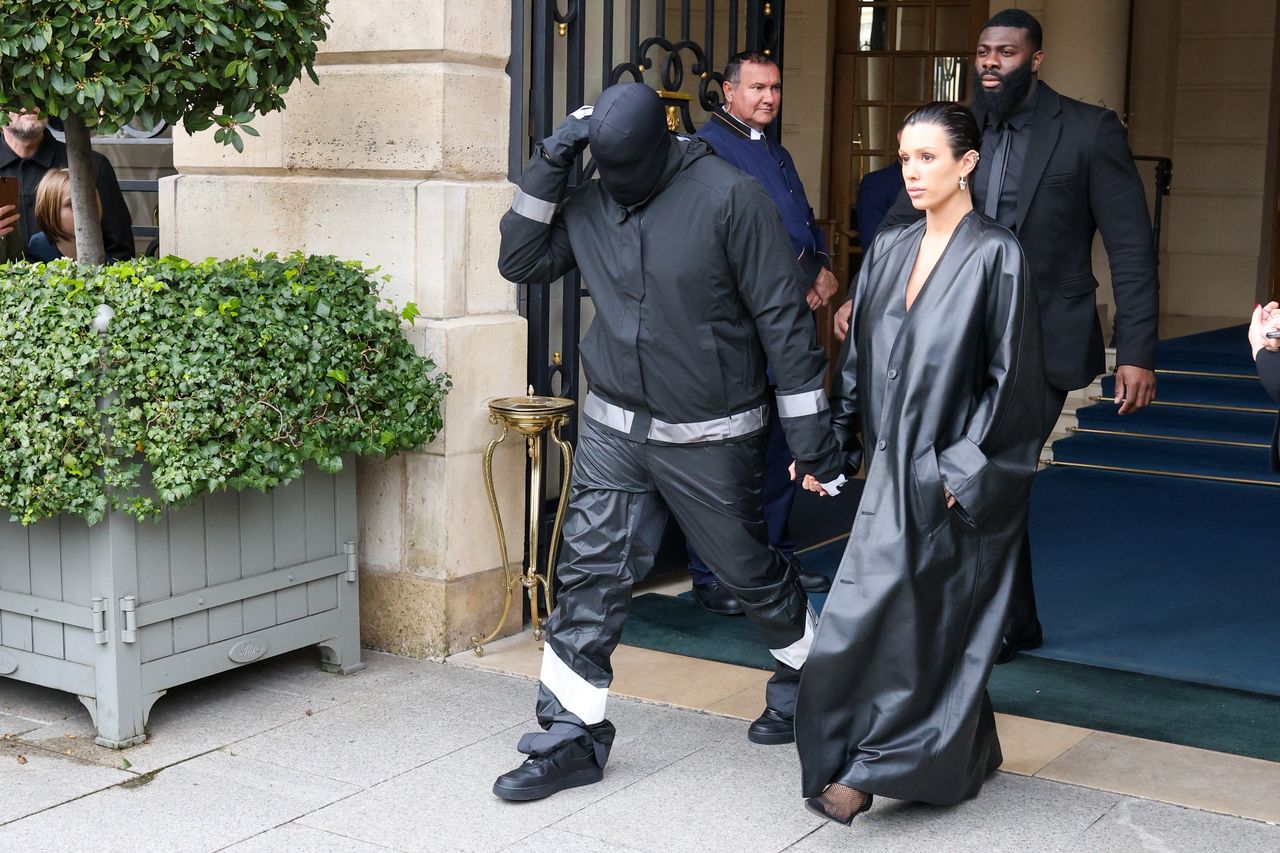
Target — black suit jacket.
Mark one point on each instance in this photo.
(1079, 179)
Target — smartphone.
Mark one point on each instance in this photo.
(1273, 334)
(8, 191)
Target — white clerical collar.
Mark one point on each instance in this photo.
(736, 124)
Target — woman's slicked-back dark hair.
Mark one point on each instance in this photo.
(959, 125)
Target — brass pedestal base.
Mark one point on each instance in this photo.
(530, 416)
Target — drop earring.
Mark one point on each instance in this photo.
(964, 185)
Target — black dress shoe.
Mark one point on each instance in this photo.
(1010, 645)
(771, 728)
(814, 582)
(570, 766)
(810, 581)
(715, 598)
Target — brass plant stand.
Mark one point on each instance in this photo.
(530, 416)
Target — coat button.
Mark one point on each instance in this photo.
(893, 373)
(881, 444)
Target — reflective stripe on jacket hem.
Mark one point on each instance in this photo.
(736, 425)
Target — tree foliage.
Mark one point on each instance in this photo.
(221, 374)
(196, 62)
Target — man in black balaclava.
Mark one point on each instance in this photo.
(694, 284)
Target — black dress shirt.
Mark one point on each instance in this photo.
(117, 224)
(1019, 125)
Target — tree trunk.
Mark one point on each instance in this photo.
(84, 193)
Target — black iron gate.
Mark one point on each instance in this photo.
(563, 54)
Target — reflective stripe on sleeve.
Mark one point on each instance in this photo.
(533, 208)
(575, 693)
(802, 404)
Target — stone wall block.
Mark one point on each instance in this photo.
(448, 529)
(487, 292)
(355, 219)
(485, 356)
(367, 118)
(423, 119)
(380, 493)
(476, 120)
(199, 152)
(478, 28)
(442, 248)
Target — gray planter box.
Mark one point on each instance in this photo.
(120, 612)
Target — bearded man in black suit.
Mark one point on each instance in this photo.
(1056, 171)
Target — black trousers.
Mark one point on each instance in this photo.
(1023, 620)
(619, 499)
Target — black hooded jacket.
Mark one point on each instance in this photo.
(693, 288)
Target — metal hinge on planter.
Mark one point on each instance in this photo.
(349, 547)
(99, 608)
(129, 633)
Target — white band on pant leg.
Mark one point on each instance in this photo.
(575, 693)
(797, 653)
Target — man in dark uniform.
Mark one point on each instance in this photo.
(752, 99)
(1057, 171)
(688, 265)
(28, 150)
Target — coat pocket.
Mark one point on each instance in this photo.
(1080, 285)
(931, 500)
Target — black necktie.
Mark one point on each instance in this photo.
(995, 175)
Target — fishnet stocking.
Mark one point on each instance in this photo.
(842, 802)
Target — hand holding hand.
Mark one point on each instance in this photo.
(8, 219)
(1135, 388)
(822, 289)
(810, 483)
(843, 314)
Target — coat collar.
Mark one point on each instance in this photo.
(739, 127)
(43, 156)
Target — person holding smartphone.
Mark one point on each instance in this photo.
(11, 242)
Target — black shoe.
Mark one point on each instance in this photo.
(771, 728)
(1010, 645)
(815, 805)
(570, 766)
(814, 582)
(715, 598)
(810, 581)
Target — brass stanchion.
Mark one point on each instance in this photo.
(530, 416)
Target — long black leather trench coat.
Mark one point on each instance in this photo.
(893, 697)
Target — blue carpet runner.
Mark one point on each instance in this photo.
(1151, 533)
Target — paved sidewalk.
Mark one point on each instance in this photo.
(282, 757)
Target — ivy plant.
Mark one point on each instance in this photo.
(98, 64)
(208, 376)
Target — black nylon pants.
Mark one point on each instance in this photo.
(619, 498)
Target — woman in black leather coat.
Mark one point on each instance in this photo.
(942, 379)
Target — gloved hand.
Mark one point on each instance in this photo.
(568, 140)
